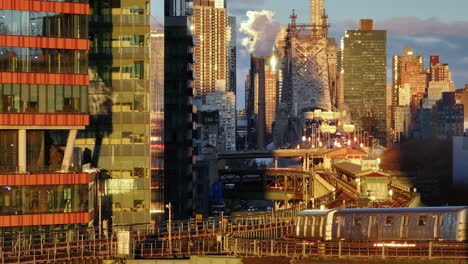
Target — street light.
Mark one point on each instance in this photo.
(169, 229)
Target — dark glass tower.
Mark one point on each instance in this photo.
(178, 109)
(364, 73)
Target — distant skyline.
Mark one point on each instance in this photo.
(429, 26)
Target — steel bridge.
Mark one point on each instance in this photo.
(253, 235)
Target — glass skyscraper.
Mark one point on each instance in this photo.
(364, 72)
(118, 139)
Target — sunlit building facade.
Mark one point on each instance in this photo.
(210, 29)
(43, 104)
(363, 68)
(407, 69)
(118, 139)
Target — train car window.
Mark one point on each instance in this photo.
(357, 221)
(389, 220)
(441, 220)
(422, 220)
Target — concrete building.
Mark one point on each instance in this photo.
(241, 136)
(407, 71)
(44, 86)
(447, 117)
(440, 72)
(210, 29)
(460, 166)
(462, 98)
(225, 104)
(178, 109)
(232, 55)
(363, 67)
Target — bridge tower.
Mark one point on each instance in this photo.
(306, 65)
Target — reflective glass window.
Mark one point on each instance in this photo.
(43, 24)
(43, 199)
(38, 60)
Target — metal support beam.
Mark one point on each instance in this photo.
(69, 150)
(22, 151)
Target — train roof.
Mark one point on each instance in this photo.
(315, 212)
(406, 209)
(386, 210)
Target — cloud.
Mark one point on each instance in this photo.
(261, 31)
(410, 26)
(428, 40)
(415, 26)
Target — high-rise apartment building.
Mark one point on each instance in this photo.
(118, 139)
(232, 55)
(440, 72)
(178, 110)
(43, 103)
(363, 67)
(210, 29)
(408, 72)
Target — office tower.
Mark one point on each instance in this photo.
(118, 138)
(178, 109)
(264, 74)
(157, 120)
(210, 29)
(43, 103)
(279, 49)
(332, 53)
(306, 83)
(232, 55)
(363, 67)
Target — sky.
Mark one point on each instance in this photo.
(431, 27)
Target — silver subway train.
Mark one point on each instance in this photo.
(384, 224)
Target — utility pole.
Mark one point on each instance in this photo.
(169, 228)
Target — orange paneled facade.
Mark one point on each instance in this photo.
(45, 6)
(45, 179)
(43, 120)
(44, 219)
(29, 198)
(44, 42)
(44, 78)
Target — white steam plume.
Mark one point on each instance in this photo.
(262, 30)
